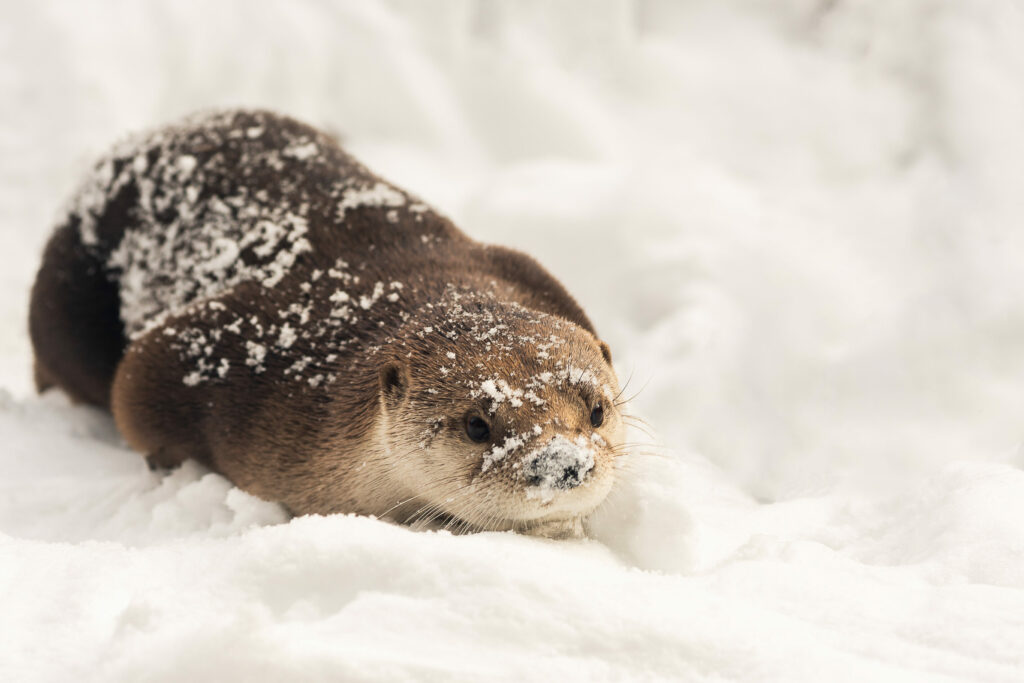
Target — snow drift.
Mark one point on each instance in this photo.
(797, 226)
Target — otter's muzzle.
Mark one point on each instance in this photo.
(559, 464)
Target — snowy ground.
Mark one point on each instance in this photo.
(798, 225)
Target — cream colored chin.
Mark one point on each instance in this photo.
(557, 528)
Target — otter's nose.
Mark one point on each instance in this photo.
(545, 470)
(561, 464)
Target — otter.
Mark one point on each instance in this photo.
(237, 289)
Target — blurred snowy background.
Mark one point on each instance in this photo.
(798, 224)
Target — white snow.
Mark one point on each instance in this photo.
(498, 452)
(365, 302)
(256, 354)
(499, 391)
(287, 336)
(549, 463)
(302, 151)
(797, 224)
(378, 194)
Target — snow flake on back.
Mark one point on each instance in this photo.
(366, 302)
(377, 195)
(186, 164)
(179, 242)
(287, 337)
(257, 352)
(301, 151)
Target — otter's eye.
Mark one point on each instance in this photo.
(597, 416)
(477, 429)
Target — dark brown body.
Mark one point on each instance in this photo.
(264, 420)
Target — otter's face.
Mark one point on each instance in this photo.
(521, 435)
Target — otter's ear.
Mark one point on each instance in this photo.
(606, 351)
(394, 382)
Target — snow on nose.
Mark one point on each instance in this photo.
(559, 465)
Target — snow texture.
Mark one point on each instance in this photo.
(796, 223)
(559, 464)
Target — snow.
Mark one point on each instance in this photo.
(287, 336)
(206, 264)
(499, 391)
(550, 465)
(302, 151)
(378, 194)
(797, 226)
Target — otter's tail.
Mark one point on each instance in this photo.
(74, 321)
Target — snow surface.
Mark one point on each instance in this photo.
(796, 223)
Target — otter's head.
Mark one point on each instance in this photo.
(501, 419)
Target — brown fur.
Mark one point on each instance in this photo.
(278, 426)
